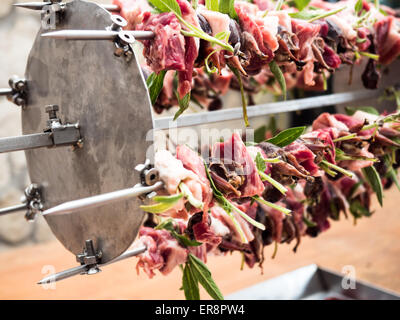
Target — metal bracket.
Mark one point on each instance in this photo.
(90, 258)
(124, 39)
(31, 202)
(51, 13)
(17, 93)
(56, 134)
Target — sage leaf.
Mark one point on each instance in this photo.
(183, 104)
(277, 72)
(287, 136)
(260, 163)
(301, 4)
(352, 110)
(374, 180)
(155, 83)
(190, 284)
(203, 275)
(167, 6)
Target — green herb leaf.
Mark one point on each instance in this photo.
(352, 110)
(227, 7)
(313, 15)
(259, 134)
(167, 6)
(277, 72)
(391, 173)
(164, 204)
(358, 6)
(189, 196)
(203, 275)
(183, 104)
(272, 205)
(190, 284)
(358, 210)
(155, 83)
(373, 179)
(168, 199)
(309, 223)
(212, 5)
(370, 55)
(287, 136)
(260, 163)
(244, 102)
(301, 4)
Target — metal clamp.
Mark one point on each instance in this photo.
(31, 202)
(90, 258)
(62, 134)
(51, 13)
(124, 39)
(17, 93)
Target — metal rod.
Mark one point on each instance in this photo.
(126, 255)
(84, 268)
(264, 109)
(25, 142)
(39, 6)
(12, 209)
(5, 91)
(111, 7)
(95, 34)
(64, 274)
(102, 199)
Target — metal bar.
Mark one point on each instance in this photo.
(95, 34)
(102, 199)
(264, 109)
(29, 141)
(39, 6)
(12, 209)
(126, 255)
(5, 91)
(111, 7)
(64, 274)
(84, 268)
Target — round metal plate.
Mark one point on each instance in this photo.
(108, 96)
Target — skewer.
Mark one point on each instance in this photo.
(18, 207)
(187, 120)
(102, 199)
(39, 6)
(83, 269)
(5, 91)
(96, 34)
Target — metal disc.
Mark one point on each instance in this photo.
(108, 96)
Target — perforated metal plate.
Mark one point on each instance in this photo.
(108, 96)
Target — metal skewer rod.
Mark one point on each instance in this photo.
(12, 209)
(96, 34)
(102, 199)
(187, 120)
(39, 6)
(84, 268)
(5, 91)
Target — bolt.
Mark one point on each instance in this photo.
(52, 109)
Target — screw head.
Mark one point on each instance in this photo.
(51, 108)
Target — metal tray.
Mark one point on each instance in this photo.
(311, 283)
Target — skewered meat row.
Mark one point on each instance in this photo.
(242, 198)
(306, 50)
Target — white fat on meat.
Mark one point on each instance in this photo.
(284, 19)
(218, 227)
(171, 171)
(362, 116)
(218, 21)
